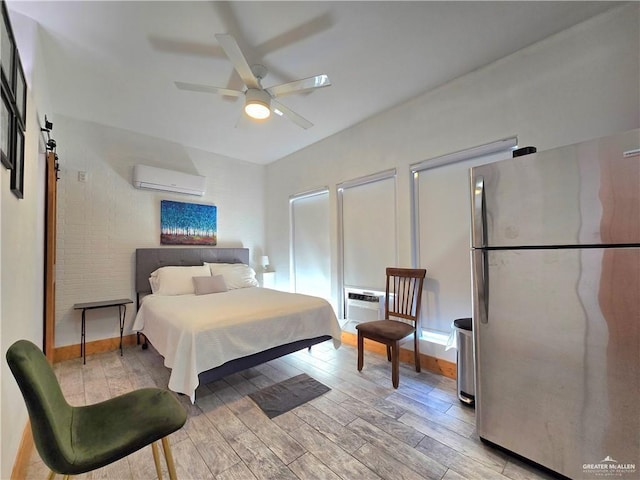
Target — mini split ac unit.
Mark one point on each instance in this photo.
(152, 178)
(363, 305)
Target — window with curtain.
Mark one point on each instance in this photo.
(310, 246)
(442, 231)
(368, 229)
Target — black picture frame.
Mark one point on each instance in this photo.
(21, 94)
(6, 131)
(13, 105)
(17, 173)
(7, 51)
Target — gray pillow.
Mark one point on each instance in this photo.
(206, 285)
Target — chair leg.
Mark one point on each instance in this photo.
(416, 350)
(156, 459)
(360, 351)
(388, 353)
(169, 458)
(395, 364)
(52, 475)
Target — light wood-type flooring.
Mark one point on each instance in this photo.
(361, 429)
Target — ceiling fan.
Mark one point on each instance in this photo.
(259, 101)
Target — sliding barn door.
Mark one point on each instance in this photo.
(50, 255)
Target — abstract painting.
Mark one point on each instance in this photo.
(188, 223)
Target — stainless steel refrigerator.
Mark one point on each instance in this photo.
(556, 306)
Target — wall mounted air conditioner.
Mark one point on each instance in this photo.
(152, 178)
(363, 305)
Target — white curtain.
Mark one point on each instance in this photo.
(369, 231)
(443, 214)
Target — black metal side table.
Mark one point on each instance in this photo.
(122, 311)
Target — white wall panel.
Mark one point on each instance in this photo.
(22, 282)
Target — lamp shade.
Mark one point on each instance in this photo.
(265, 260)
(258, 104)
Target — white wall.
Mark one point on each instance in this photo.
(579, 84)
(22, 249)
(103, 220)
(21, 286)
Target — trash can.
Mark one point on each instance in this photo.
(465, 371)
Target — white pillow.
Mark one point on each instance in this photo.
(177, 280)
(236, 275)
(206, 285)
(153, 282)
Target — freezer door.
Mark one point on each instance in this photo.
(583, 194)
(557, 356)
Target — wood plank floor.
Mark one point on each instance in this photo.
(361, 429)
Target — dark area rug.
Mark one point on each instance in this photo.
(287, 395)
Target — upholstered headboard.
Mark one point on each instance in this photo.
(150, 259)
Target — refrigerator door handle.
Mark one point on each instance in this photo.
(480, 261)
(479, 215)
(481, 285)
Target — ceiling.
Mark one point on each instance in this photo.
(115, 63)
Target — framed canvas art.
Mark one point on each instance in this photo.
(13, 105)
(188, 223)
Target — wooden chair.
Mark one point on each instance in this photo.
(73, 440)
(402, 311)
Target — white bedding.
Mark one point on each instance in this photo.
(195, 333)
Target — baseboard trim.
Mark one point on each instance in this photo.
(25, 449)
(432, 364)
(99, 346)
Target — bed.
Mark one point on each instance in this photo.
(208, 336)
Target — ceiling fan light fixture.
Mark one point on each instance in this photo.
(258, 104)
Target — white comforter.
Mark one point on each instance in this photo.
(195, 333)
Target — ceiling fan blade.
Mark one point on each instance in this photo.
(195, 87)
(184, 47)
(280, 109)
(232, 50)
(300, 86)
(297, 34)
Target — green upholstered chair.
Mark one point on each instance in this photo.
(73, 440)
(403, 298)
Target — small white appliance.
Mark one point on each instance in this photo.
(152, 178)
(364, 305)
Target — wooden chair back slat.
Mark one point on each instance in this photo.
(404, 293)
